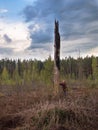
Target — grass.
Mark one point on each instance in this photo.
(35, 108)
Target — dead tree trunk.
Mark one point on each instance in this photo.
(56, 57)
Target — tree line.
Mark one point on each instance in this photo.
(28, 71)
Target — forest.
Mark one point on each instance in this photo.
(28, 71)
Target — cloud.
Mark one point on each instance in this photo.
(78, 20)
(7, 38)
(17, 35)
(40, 36)
(3, 11)
(44, 9)
(5, 50)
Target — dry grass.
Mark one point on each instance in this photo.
(38, 109)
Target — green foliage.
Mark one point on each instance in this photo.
(95, 67)
(47, 72)
(5, 75)
(29, 71)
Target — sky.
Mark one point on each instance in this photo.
(27, 28)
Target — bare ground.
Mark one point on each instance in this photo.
(38, 109)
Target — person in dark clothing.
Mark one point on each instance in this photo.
(64, 86)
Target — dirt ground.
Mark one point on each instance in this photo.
(40, 110)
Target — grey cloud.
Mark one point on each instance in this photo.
(6, 51)
(41, 36)
(30, 13)
(87, 46)
(59, 9)
(75, 18)
(41, 46)
(43, 9)
(7, 38)
(82, 47)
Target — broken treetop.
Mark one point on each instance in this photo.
(57, 35)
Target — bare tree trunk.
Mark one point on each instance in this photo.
(56, 57)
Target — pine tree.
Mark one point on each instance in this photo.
(5, 76)
(95, 67)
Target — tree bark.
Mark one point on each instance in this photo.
(56, 57)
